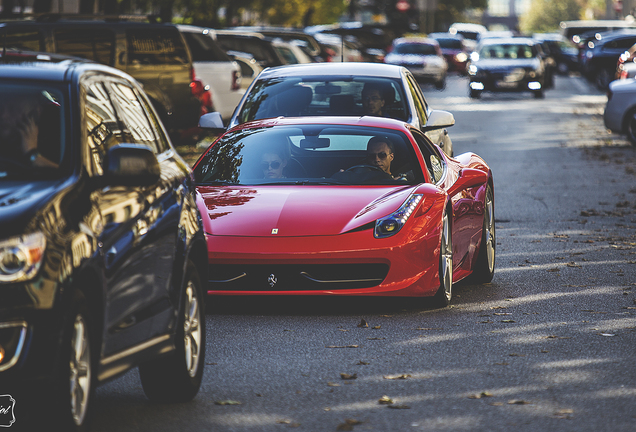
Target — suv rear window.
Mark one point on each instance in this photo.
(89, 43)
(156, 47)
(204, 49)
(24, 39)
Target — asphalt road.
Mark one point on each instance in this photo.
(549, 345)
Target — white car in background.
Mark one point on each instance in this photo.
(214, 68)
(620, 111)
(422, 56)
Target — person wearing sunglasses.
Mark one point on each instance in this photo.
(380, 153)
(272, 165)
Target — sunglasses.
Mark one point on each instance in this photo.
(266, 165)
(381, 155)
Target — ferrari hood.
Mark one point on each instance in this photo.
(296, 211)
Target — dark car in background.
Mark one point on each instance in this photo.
(564, 52)
(600, 56)
(257, 45)
(154, 54)
(507, 65)
(102, 253)
(454, 50)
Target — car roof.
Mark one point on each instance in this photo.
(415, 40)
(340, 68)
(368, 121)
(508, 41)
(49, 67)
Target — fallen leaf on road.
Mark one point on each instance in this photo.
(573, 265)
(398, 406)
(397, 377)
(363, 323)
(496, 403)
(348, 425)
(502, 313)
(564, 413)
(342, 346)
(480, 395)
(555, 269)
(508, 321)
(363, 363)
(346, 376)
(376, 338)
(227, 402)
(385, 400)
(333, 384)
(518, 402)
(516, 355)
(376, 327)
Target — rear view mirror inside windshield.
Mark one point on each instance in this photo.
(314, 142)
(328, 89)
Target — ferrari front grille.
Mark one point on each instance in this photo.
(295, 277)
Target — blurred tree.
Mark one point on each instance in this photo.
(288, 13)
(545, 15)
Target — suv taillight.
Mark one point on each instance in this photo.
(236, 78)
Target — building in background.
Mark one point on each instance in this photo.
(504, 14)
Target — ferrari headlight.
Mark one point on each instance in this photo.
(21, 257)
(391, 224)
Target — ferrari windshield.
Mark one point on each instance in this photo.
(31, 131)
(310, 155)
(320, 96)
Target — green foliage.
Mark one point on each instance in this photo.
(545, 15)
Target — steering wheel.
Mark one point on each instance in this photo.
(364, 167)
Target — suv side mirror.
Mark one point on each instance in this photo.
(439, 119)
(212, 121)
(131, 165)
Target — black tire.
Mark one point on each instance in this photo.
(484, 269)
(445, 292)
(474, 94)
(177, 377)
(73, 387)
(603, 78)
(630, 125)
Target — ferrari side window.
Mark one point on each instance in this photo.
(434, 162)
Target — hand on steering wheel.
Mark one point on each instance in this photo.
(365, 167)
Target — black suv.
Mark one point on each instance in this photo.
(102, 253)
(154, 54)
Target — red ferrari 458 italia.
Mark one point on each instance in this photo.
(343, 206)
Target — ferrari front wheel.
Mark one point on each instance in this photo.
(485, 266)
(445, 292)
